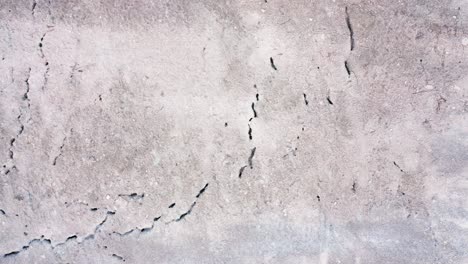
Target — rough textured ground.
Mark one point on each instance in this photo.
(266, 131)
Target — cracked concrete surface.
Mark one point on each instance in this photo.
(259, 131)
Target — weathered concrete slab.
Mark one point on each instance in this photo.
(233, 131)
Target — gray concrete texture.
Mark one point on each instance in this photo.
(247, 131)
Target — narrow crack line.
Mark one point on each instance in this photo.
(253, 109)
(72, 237)
(189, 211)
(27, 246)
(41, 45)
(12, 143)
(202, 191)
(139, 230)
(305, 99)
(54, 162)
(350, 29)
(398, 166)
(28, 87)
(15, 138)
(250, 132)
(348, 70)
(134, 196)
(46, 62)
(272, 64)
(60, 152)
(118, 257)
(241, 171)
(33, 8)
(250, 160)
(42, 239)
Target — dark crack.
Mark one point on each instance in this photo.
(272, 63)
(250, 160)
(350, 29)
(46, 62)
(41, 45)
(241, 171)
(305, 99)
(202, 191)
(189, 211)
(118, 257)
(28, 87)
(253, 109)
(60, 152)
(98, 226)
(348, 69)
(133, 196)
(398, 166)
(20, 118)
(47, 241)
(33, 8)
(139, 230)
(27, 246)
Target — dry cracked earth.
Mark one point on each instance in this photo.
(234, 131)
